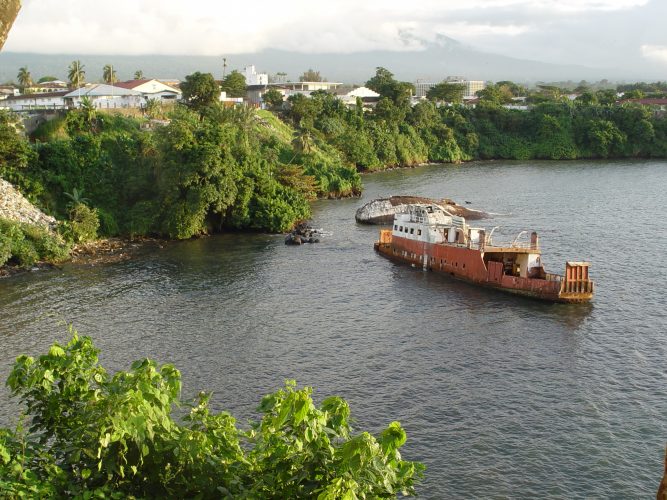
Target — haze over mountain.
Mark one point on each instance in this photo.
(524, 40)
(439, 59)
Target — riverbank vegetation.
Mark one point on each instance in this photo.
(205, 168)
(90, 434)
(27, 244)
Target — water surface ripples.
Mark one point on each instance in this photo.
(501, 396)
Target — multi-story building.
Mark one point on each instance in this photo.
(254, 78)
(471, 87)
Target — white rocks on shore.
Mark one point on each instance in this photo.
(15, 207)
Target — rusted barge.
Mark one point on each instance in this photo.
(428, 236)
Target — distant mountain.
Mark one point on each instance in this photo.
(436, 61)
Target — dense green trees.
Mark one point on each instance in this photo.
(213, 168)
(446, 92)
(16, 156)
(91, 434)
(273, 98)
(25, 244)
(208, 170)
(234, 84)
(383, 83)
(200, 91)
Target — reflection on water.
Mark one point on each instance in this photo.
(497, 392)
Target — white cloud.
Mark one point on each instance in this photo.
(654, 52)
(470, 31)
(210, 27)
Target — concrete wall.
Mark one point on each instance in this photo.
(8, 11)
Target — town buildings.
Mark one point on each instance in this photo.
(470, 87)
(130, 94)
(254, 93)
(42, 101)
(104, 96)
(151, 89)
(252, 78)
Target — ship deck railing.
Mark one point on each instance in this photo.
(504, 246)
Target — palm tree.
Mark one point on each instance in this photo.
(76, 74)
(76, 198)
(89, 112)
(24, 77)
(303, 141)
(109, 74)
(153, 108)
(138, 75)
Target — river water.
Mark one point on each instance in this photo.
(501, 396)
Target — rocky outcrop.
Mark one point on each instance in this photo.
(382, 210)
(14, 207)
(301, 234)
(9, 9)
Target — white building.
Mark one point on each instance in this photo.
(254, 78)
(422, 88)
(255, 93)
(8, 90)
(230, 100)
(27, 102)
(105, 96)
(151, 89)
(45, 87)
(470, 87)
(349, 97)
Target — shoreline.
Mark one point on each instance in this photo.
(93, 253)
(119, 249)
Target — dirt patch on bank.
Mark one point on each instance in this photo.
(113, 250)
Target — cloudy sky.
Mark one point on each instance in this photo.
(597, 33)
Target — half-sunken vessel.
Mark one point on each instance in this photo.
(428, 236)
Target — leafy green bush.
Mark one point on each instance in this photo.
(50, 130)
(5, 249)
(26, 244)
(92, 434)
(83, 223)
(240, 168)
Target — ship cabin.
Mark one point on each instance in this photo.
(431, 224)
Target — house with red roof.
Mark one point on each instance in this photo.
(151, 89)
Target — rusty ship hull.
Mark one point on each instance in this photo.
(468, 254)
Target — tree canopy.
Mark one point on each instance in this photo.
(311, 76)
(199, 91)
(447, 92)
(384, 84)
(92, 434)
(234, 84)
(273, 98)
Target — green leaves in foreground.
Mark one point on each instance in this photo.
(95, 435)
